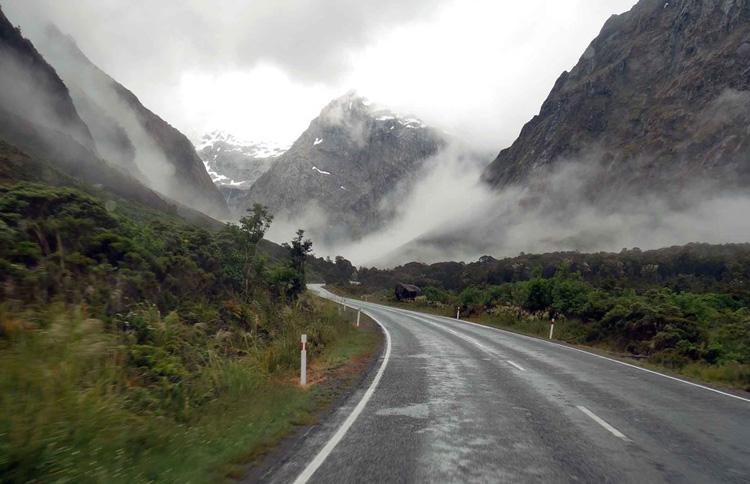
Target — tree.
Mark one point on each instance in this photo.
(298, 249)
(255, 226)
(252, 228)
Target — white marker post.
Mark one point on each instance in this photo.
(551, 327)
(458, 312)
(359, 314)
(303, 362)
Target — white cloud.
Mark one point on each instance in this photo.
(262, 104)
(480, 68)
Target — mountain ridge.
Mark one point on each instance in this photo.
(643, 99)
(34, 88)
(44, 139)
(158, 154)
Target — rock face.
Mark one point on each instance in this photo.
(130, 135)
(234, 165)
(660, 98)
(350, 159)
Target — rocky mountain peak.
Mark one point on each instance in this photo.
(221, 141)
(352, 108)
(350, 105)
(352, 157)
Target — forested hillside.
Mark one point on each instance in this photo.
(167, 340)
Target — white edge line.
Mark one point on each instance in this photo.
(603, 423)
(323, 454)
(558, 345)
(516, 365)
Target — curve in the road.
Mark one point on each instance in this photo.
(462, 401)
(321, 456)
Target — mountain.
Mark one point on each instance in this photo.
(43, 138)
(32, 89)
(232, 162)
(351, 160)
(659, 99)
(129, 134)
(645, 142)
(234, 165)
(39, 121)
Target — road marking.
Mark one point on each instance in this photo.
(558, 345)
(456, 333)
(516, 365)
(604, 424)
(331, 444)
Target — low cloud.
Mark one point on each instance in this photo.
(559, 213)
(450, 215)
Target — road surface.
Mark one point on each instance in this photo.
(455, 402)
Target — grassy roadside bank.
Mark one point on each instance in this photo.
(79, 403)
(136, 346)
(730, 375)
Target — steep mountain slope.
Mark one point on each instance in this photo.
(43, 138)
(660, 98)
(234, 165)
(646, 142)
(31, 87)
(38, 118)
(338, 173)
(131, 135)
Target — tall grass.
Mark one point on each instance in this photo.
(83, 401)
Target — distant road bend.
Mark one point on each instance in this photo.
(456, 402)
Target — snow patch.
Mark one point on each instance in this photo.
(219, 179)
(322, 172)
(218, 142)
(406, 122)
(317, 141)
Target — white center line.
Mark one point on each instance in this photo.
(589, 353)
(604, 424)
(456, 333)
(516, 365)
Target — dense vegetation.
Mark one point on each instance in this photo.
(139, 347)
(692, 267)
(686, 308)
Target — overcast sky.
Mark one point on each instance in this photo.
(262, 69)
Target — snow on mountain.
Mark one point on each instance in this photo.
(228, 142)
(233, 162)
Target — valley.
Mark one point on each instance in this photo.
(188, 213)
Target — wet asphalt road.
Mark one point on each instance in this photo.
(462, 403)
